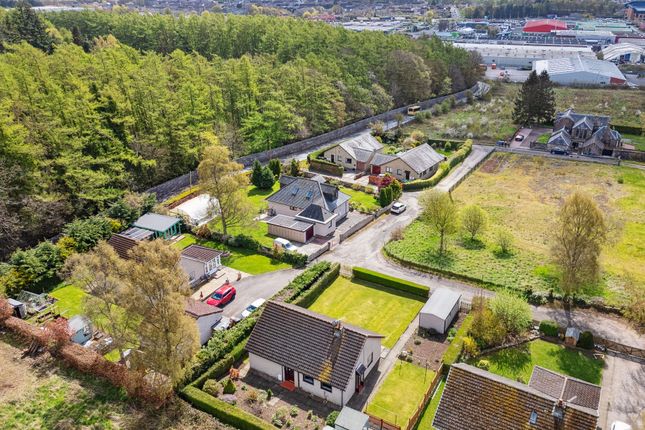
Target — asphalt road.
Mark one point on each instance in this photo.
(475, 157)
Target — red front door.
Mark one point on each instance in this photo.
(288, 374)
(309, 233)
(376, 170)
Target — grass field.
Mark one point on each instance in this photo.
(523, 195)
(70, 300)
(637, 141)
(624, 107)
(39, 394)
(243, 260)
(381, 310)
(517, 363)
(367, 202)
(401, 393)
(425, 422)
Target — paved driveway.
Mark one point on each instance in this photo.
(262, 286)
(623, 392)
(457, 174)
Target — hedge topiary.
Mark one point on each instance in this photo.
(549, 328)
(212, 387)
(585, 340)
(392, 282)
(331, 418)
(229, 387)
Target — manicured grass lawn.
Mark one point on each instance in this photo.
(425, 422)
(243, 260)
(523, 194)
(70, 300)
(367, 202)
(379, 309)
(401, 393)
(637, 141)
(517, 363)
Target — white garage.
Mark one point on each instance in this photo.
(439, 311)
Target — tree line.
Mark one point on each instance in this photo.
(95, 103)
(522, 9)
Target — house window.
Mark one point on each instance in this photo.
(398, 172)
(293, 208)
(533, 418)
(349, 161)
(388, 169)
(325, 387)
(308, 379)
(369, 362)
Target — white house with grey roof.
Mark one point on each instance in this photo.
(303, 208)
(354, 153)
(312, 352)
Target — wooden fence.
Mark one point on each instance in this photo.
(620, 348)
(412, 422)
(381, 424)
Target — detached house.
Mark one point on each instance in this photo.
(311, 352)
(582, 133)
(200, 262)
(354, 153)
(303, 208)
(205, 316)
(475, 399)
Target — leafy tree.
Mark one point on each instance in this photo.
(22, 23)
(440, 213)
(294, 168)
(88, 232)
(473, 220)
(266, 179)
(273, 125)
(578, 238)
(222, 178)
(276, 167)
(513, 312)
(487, 329)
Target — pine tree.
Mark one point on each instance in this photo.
(294, 168)
(275, 166)
(546, 99)
(256, 174)
(524, 109)
(22, 23)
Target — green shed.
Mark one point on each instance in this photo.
(161, 225)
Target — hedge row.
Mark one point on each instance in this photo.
(326, 167)
(549, 328)
(302, 282)
(453, 352)
(224, 412)
(444, 169)
(391, 282)
(629, 129)
(220, 368)
(316, 289)
(442, 142)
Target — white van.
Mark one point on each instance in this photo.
(284, 244)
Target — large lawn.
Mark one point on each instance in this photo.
(363, 201)
(637, 141)
(523, 194)
(243, 260)
(401, 393)
(517, 363)
(382, 310)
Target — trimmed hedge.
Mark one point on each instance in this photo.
(585, 340)
(303, 281)
(326, 167)
(391, 282)
(220, 368)
(224, 412)
(453, 353)
(629, 129)
(316, 289)
(444, 169)
(549, 328)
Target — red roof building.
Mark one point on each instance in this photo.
(544, 26)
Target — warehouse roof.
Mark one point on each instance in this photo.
(612, 52)
(579, 64)
(537, 52)
(544, 25)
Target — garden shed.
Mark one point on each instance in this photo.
(439, 311)
(80, 329)
(161, 225)
(199, 210)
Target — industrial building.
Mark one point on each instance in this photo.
(624, 53)
(580, 70)
(523, 56)
(544, 26)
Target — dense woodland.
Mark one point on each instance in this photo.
(523, 9)
(96, 103)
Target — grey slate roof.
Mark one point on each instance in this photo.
(363, 155)
(316, 212)
(200, 253)
(288, 222)
(380, 159)
(584, 122)
(302, 192)
(475, 399)
(421, 158)
(571, 390)
(596, 120)
(308, 342)
(156, 222)
(364, 141)
(560, 138)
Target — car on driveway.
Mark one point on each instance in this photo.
(223, 324)
(519, 138)
(284, 244)
(252, 307)
(222, 296)
(398, 208)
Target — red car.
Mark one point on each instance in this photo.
(223, 295)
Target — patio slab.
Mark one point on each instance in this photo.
(220, 278)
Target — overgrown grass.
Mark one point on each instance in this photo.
(241, 259)
(523, 195)
(517, 363)
(367, 202)
(425, 422)
(637, 141)
(624, 107)
(370, 306)
(401, 393)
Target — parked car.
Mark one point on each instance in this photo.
(619, 425)
(222, 296)
(252, 307)
(559, 152)
(398, 208)
(519, 138)
(224, 324)
(284, 244)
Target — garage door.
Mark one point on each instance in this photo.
(309, 233)
(287, 233)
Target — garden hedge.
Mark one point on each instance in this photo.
(391, 282)
(629, 129)
(549, 328)
(220, 368)
(228, 414)
(307, 297)
(326, 167)
(444, 169)
(586, 340)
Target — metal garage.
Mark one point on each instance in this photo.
(440, 309)
(289, 228)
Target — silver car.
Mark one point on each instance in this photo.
(398, 208)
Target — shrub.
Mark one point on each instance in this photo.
(279, 418)
(229, 387)
(269, 394)
(585, 340)
(483, 364)
(512, 311)
(253, 396)
(470, 347)
(487, 329)
(212, 387)
(224, 412)
(549, 328)
(88, 232)
(331, 418)
(293, 412)
(294, 258)
(391, 282)
(275, 166)
(504, 240)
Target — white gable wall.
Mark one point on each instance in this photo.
(205, 326)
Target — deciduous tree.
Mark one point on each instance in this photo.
(578, 237)
(473, 220)
(440, 213)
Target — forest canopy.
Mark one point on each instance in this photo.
(94, 104)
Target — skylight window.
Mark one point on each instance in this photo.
(533, 418)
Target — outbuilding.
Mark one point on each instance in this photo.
(161, 225)
(199, 210)
(80, 328)
(439, 311)
(205, 316)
